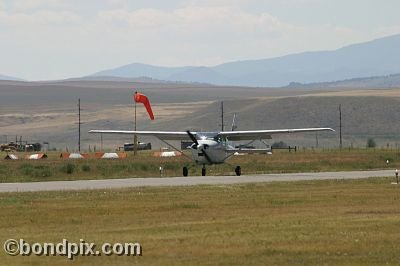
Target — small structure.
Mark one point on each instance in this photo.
(167, 154)
(185, 145)
(110, 155)
(140, 146)
(8, 147)
(11, 157)
(66, 155)
(36, 156)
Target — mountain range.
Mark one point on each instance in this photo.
(371, 64)
(5, 77)
(379, 57)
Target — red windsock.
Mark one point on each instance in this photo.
(141, 98)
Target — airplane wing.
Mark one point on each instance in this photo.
(164, 135)
(231, 135)
(248, 150)
(266, 134)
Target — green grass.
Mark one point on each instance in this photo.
(145, 165)
(332, 222)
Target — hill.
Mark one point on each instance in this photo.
(375, 58)
(47, 111)
(362, 117)
(5, 77)
(389, 81)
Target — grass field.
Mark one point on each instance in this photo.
(342, 222)
(145, 165)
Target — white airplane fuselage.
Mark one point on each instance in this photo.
(216, 152)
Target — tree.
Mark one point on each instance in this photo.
(371, 143)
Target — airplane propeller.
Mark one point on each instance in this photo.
(203, 147)
(205, 154)
(193, 138)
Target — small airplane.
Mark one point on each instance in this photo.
(214, 147)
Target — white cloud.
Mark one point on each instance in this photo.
(46, 18)
(24, 5)
(140, 19)
(199, 21)
(385, 31)
(119, 3)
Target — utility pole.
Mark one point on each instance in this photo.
(101, 139)
(340, 126)
(222, 116)
(79, 124)
(316, 139)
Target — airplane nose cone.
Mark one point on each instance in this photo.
(194, 146)
(202, 147)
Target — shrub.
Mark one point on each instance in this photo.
(371, 143)
(68, 168)
(86, 168)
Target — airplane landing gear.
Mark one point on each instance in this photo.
(238, 170)
(203, 170)
(185, 171)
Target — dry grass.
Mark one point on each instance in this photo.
(145, 165)
(357, 92)
(50, 121)
(348, 222)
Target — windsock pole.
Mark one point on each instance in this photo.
(134, 136)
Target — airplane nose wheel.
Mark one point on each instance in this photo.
(238, 170)
(185, 171)
(203, 171)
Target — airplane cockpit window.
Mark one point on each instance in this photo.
(211, 136)
(220, 139)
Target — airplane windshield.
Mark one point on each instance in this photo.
(212, 136)
(209, 136)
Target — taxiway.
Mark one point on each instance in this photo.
(184, 181)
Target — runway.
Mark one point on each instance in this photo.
(184, 181)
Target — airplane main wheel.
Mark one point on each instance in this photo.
(185, 171)
(203, 171)
(238, 170)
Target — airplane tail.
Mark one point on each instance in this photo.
(234, 125)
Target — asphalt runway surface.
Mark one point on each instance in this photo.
(185, 181)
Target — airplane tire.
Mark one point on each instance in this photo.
(185, 171)
(238, 170)
(203, 171)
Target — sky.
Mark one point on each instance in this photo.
(56, 39)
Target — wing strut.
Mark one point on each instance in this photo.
(174, 148)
